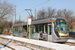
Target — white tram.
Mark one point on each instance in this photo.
(54, 29)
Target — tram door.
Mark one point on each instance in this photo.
(49, 32)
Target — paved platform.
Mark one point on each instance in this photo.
(45, 44)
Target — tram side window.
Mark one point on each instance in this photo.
(13, 29)
(55, 28)
(49, 29)
(25, 28)
(20, 29)
(36, 29)
(41, 27)
(16, 29)
(45, 28)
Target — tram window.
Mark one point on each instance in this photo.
(36, 29)
(26, 28)
(16, 29)
(41, 27)
(49, 29)
(20, 29)
(46, 28)
(32, 30)
(13, 29)
(62, 29)
(55, 28)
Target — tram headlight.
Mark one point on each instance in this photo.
(67, 36)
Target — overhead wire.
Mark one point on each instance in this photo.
(40, 4)
(20, 12)
(34, 7)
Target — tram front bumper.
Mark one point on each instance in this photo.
(63, 39)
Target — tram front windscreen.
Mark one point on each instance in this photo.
(62, 26)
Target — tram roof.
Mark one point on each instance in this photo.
(36, 21)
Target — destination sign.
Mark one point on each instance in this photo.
(60, 20)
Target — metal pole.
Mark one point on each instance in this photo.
(29, 32)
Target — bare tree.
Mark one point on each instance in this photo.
(59, 13)
(41, 14)
(46, 14)
(71, 22)
(50, 12)
(4, 24)
(64, 13)
(6, 10)
(10, 24)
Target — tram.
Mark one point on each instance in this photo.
(54, 29)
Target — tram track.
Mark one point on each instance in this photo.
(2, 42)
(25, 46)
(7, 46)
